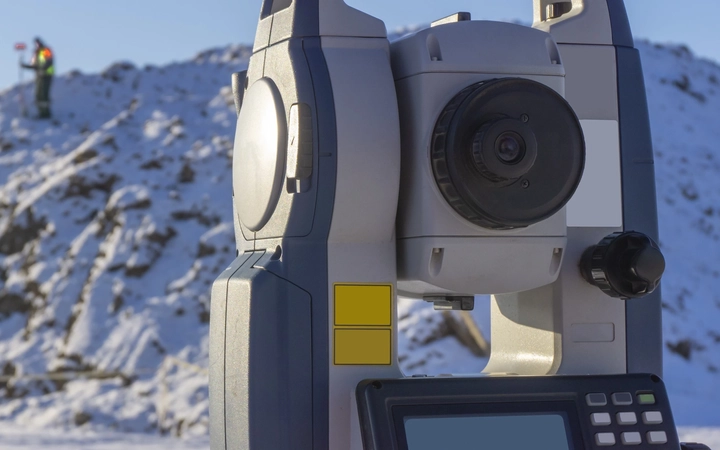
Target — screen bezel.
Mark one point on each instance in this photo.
(566, 409)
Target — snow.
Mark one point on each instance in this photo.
(26, 439)
(115, 218)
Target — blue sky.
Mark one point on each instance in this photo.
(91, 34)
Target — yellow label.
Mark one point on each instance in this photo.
(363, 347)
(363, 305)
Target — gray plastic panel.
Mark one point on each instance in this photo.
(644, 316)
(503, 49)
(268, 396)
(300, 18)
(218, 316)
(591, 80)
(281, 20)
(291, 282)
(303, 259)
(621, 33)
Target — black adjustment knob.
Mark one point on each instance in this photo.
(624, 264)
(693, 446)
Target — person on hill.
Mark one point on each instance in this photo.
(42, 63)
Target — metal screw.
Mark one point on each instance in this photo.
(525, 118)
(525, 184)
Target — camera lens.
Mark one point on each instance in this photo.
(510, 147)
(503, 150)
(494, 166)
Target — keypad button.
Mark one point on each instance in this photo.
(652, 417)
(605, 439)
(632, 438)
(626, 418)
(596, 399)
(600, 419)
(657, 437)
(622, 399)
(646, 399)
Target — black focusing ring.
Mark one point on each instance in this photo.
(450, 164)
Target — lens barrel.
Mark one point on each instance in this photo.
(507, 153)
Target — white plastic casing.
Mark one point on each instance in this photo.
(439, 251)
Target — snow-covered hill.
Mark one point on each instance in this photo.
(116, 216)
(684, 100)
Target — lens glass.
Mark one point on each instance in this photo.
(510, 147)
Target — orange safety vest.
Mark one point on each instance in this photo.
(45, 59)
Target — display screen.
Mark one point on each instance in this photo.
(477, 432)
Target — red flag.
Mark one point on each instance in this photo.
(20, 46)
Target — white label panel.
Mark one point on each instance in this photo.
(598, 199)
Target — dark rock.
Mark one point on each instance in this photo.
(140, 204)
(684, 85)
(162, 238)
(80, 186)
(82, 418)
(116, 72)
(109, 140)
(84, 156)
(152, 164)
(684, 348)
(197, 215)
(116, 304)
(136, 271)
(13, 240)
(187, 174)
(205, 250)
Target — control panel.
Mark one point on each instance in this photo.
(517, 413)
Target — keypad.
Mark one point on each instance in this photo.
(657, 437)
(622, 399)
(631, 438)
(600, 419)
(646, 399)
(605, 439)
(652, 417)
(596, 399)
(626, 418)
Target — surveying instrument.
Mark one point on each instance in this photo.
(471, 157)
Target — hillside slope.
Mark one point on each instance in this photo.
(116, 217)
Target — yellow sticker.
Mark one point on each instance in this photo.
(363, 305)
(363, 346)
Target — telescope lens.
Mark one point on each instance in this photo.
(497, 168)
(510, 147)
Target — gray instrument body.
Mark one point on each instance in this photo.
(330, 205)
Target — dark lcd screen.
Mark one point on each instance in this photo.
(489, 426)
(507, 432)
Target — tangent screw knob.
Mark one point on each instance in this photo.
(624, 265)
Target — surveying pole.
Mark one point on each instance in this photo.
(20, 48)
